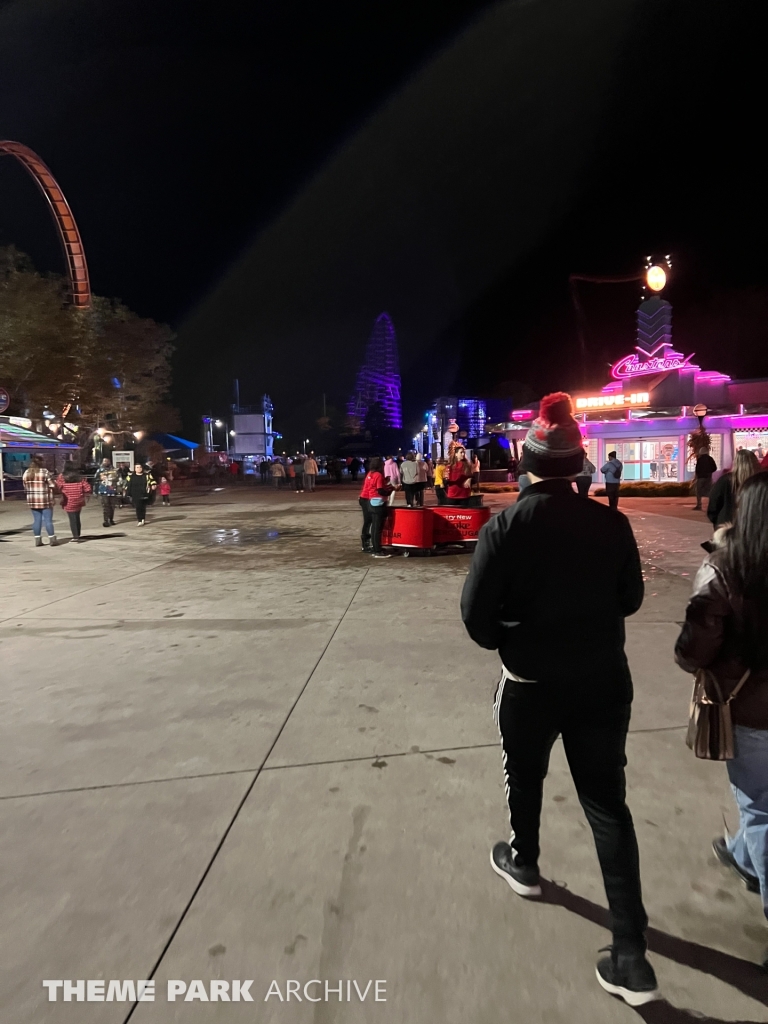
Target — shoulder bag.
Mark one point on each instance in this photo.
(710, 728)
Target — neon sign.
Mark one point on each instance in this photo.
(641, 362)
(616, 401)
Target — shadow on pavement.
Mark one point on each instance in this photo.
(100, 536)
(12, 533)
(743, 975)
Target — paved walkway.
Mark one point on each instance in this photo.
(234, 747)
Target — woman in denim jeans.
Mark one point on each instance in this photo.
(726, 630)
(38, 483)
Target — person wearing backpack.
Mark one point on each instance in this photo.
(612, 471)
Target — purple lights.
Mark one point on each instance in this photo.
(378, 380)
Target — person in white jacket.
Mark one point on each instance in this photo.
(310, 472)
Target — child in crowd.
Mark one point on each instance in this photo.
(165, 490)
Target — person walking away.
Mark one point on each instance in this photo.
(264, 467)
(475, 467)
(392, 476)
(409, 474)
(726, 631)
(139, 487)
(612, 471)
(564, 673)
(310, 472)
(278, 473)
(73, 497)
(290, 474)
(421, 482)
(373, 502)
(165, 489)
(38, 484)
(106, 484)
(354, 468)
(458, 478)
(439, 485)
(298, 466)
(705, 467)
(123, 470)
(584, 479)
(721, 507)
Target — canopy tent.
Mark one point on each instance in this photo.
(14, 436)
(19, 442)
(176, 445)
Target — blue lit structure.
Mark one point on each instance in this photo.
(378, 380)
(451, 417)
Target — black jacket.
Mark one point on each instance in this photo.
(551, 581)
(138, 487)
(705, 466)
(721, 505)
(716, 634)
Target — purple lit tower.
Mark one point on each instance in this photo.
(378, 380)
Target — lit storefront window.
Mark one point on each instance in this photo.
(656, 458)
(753, 440)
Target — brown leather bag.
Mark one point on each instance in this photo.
(710, 728)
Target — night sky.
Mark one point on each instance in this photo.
(269, 177)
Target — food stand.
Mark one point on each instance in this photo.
(430, 528)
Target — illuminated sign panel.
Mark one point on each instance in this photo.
(615, 401)
(636, 366)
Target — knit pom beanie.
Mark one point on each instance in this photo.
(553, 445)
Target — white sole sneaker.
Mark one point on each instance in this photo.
(518, 887)
(630, 997)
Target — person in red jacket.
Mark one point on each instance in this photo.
(458, 478)
(373, 502)
(73, 492)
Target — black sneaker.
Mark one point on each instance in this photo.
(725, 857)
(628, 976)
(523, 879)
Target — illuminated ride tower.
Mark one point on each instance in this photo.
(378, 380)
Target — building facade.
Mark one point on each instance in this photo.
(656, 398)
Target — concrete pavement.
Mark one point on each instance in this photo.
(234, 747)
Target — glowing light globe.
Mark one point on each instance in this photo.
(655, 278)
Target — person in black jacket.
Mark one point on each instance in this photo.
(721, 507)
(139, 487)
(550, 585)
(726, 631)
(705, 467)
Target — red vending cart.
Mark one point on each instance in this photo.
(409, 528)
(458, 525)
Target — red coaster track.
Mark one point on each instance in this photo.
(71, 242)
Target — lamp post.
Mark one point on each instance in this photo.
(225, 425)
(306, 442)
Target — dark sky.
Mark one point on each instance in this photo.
(269, 177)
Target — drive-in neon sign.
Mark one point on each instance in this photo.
(615, 401)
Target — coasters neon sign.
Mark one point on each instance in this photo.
(616, 401)
(642, 362)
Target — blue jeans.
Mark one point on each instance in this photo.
(748, 772)
(40, 516)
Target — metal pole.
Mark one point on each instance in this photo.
(2, 475)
